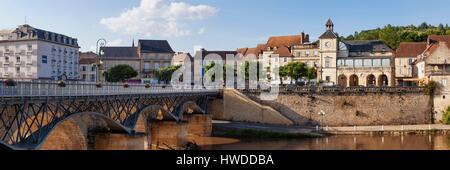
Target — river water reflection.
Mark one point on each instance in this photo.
(343, 142)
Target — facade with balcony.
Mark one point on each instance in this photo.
(27, 53)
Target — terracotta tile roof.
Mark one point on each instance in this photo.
(261, 47)
(411, 49)
(439, 38)
(284, 41)
(242, 51)
(253, 51)
(88, 60)
(283, 52)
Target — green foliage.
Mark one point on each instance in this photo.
(211, 65)
(297, 70)
(120, 73)
(165, 74)
(393, 35)
(446, 117)
(430, 88)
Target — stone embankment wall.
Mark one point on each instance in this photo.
(341, 109)
(352, 109)
(236, 106)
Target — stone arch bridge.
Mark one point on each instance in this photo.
(31, 111)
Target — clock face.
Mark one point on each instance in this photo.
(328, 44)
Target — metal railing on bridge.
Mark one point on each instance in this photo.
(74, 88)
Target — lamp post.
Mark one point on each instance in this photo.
(322, 116)
(100, 43)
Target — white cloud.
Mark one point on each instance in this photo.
(159, 17)
(116, 42)
(201, 31)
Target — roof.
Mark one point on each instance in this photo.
(367, 46)
(88, 60)
(329, 23)
(286, 41)
(155, 46)
(27, 32)
(252, 51)
(261, 47)
(120, 53)
(222, 54)
(329, 34)
(439, 38)
(410, 49)
(181, 57)
(88, 55)
(283, 52)
(242, 51)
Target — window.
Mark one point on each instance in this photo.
(307, 54)
(285, 59)
(386, 62)
(29, 47)
(328, 78)
(18, 59)
(410, 61)
(358, 63)
(327, 62)
(368, 63)
(17, 69)
(83, 77)
(376, 62)
(316, 53)
(6, 59)
(92, 77)
(92, 68)
(44, 59)
(349, 63)
(444, 82)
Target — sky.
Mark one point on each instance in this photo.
(212, 24)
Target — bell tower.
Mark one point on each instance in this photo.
(329, 44)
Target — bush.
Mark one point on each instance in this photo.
(430, 88)
(446, 117)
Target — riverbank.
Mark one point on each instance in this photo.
(389, 130)
(241, 129)
(255, 130)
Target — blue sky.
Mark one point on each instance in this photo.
(215, 24)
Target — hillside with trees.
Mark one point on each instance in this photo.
(394, 35)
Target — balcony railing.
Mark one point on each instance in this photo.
(311, 90)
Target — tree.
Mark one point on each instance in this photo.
(296, 70)
(282, 72)
(311, 73)
(165, 74)
(120, 73)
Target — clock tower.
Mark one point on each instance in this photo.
(329, 45)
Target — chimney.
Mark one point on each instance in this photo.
(307, 38)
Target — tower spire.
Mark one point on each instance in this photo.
(133, 43)
(329, 25)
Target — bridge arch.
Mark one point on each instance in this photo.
(72, 132)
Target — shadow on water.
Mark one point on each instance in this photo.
(343, 142)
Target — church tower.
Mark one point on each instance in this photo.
(329, 45)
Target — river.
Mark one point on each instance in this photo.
(340, 142)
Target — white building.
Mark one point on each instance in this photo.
(28, 53)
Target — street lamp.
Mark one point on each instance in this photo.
(322, 116)
(100, 43)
